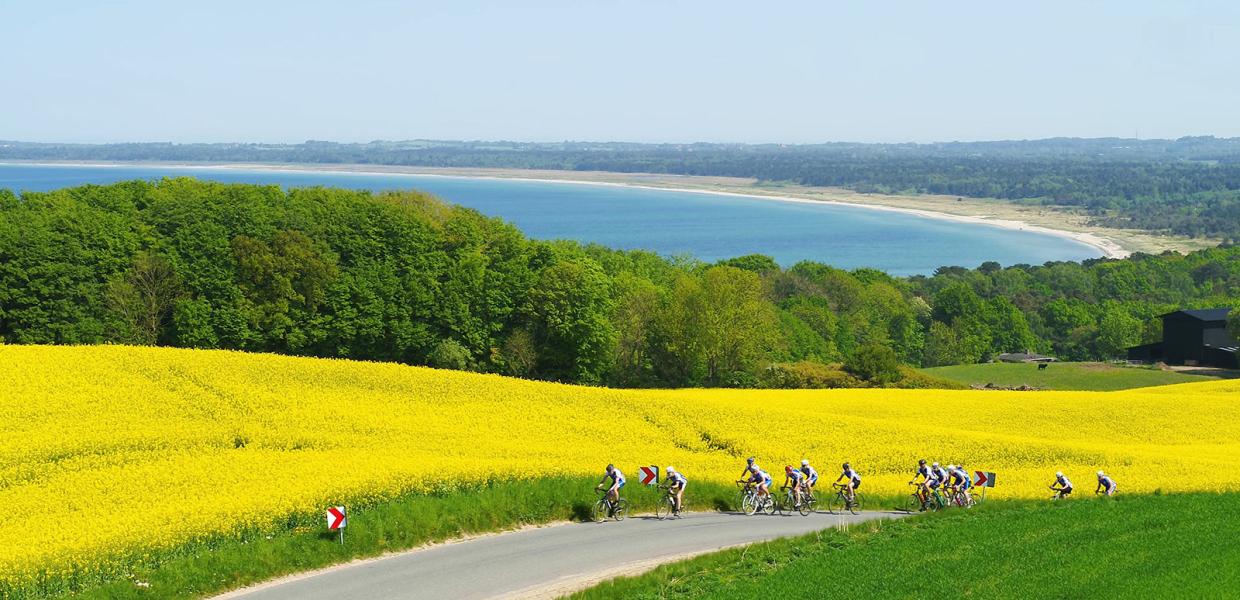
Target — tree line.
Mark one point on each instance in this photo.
(404, 277)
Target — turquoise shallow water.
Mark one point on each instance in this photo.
(708, 226)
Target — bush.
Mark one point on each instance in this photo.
(808, 374)
(450, 354)
(876, 364)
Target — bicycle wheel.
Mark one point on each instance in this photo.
(835, 503)
(622, 509)
(749, 504)
(856, 506)
(769, 508)
(663, 508)
(740, 499)
(812, 500)
(599, 512)
(913, 504)
(804, 507)
(935, 503)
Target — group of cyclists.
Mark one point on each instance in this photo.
(1063, 486)
(954, 478)
(801, 481)
(929, 478)
(957, 479)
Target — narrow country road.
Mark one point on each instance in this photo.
(543, 562)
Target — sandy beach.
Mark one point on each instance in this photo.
(1110, 242)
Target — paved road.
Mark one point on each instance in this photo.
(543, 562)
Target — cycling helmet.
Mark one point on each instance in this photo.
(611, 468)
(935, 465)
(1058, 473)
(751, 460)
(804, 462)
(922, 462)
(670, 469)
(788, 468)
(845, 465)
(951, 467)
(1101, 474)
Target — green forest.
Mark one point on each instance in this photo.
(1188, 186)
(404, 277)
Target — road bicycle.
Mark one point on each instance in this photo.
(955, 496)
(1059, 493)
(842, 502)
(752, 503)
(923, 499)
(963, 499)
(665, 507)
(605, 509)
(793, 500)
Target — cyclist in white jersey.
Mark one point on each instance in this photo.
(1105, 484)
(617, 482)
(676, 482)
(1064, 485)
(811, 474)
(854, 481)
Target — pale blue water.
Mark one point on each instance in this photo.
(708, 226)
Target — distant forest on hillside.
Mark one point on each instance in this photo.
(1189, 186)
(404, 277)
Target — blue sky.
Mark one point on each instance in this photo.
(285, 71)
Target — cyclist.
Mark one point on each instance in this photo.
(1065, 485)
(854, 481)
(1105, 484)
(760, 479)
(676, 483)
(811, 475)
(940, 474)
(796, 479)
(764, 487)
(927, 475)
(966, 482)
(617, 482)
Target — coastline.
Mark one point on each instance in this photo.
(1110, 243)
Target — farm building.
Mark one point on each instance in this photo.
(1192, 337)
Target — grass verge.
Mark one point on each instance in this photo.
(217, 565)
(1153, 546)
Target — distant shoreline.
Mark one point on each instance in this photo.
(1107, 245)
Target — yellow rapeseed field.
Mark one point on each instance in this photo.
(107, 451)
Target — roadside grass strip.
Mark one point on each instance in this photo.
(1145, 546)
(117, 459)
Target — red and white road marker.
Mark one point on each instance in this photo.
(337, 519)
(648, 475)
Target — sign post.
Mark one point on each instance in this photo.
(648, 475)
(984, 479)
(337, 519)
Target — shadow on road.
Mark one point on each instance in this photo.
(582, 512)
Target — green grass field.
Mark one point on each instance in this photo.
(1064, 376)
(216, 565)
(1159, 546)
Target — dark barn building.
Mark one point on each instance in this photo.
(1192, 337)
